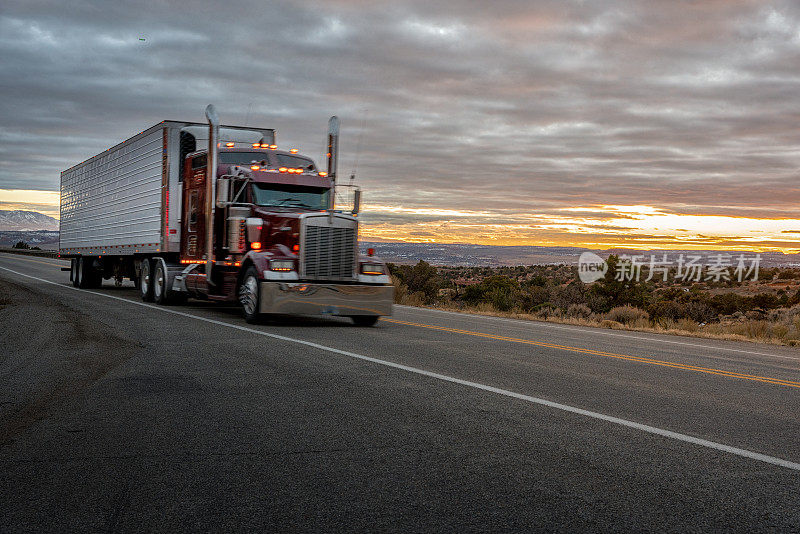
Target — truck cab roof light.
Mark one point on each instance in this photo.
(283, 169)
(254, 167)
(273, 147)
(293, 151)
(323, 174)
(257, 145)
(255, 245)
(262, 145)
(230, 144)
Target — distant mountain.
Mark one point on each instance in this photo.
(26, 221)
(455, 254)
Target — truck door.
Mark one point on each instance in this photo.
(193, 223)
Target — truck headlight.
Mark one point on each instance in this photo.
(281, 265)
(372, 268)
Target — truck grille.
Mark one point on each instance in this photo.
(329, 253)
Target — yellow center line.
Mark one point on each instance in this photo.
(24, 258)
(638, 359)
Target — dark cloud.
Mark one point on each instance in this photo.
(515, 109)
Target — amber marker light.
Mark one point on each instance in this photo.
(293, 151)
(254, 167)
(283, 169)
(255, 245)
(229, 144)
(256, 145)
(323, 174)
(273, 147)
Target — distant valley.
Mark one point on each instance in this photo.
(39, 230)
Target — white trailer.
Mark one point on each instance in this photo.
(127, 199)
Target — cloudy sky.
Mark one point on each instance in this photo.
(591, 123)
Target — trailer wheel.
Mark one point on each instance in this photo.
(364, 320)
(84, 274)
(146, 280)
(73, 274)
(249, 296)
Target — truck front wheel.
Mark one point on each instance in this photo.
(250, 296)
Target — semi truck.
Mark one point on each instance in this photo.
(199, 210)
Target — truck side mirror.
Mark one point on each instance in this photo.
(356, 201)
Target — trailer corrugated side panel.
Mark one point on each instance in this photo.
(112, 202)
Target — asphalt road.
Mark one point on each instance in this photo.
(121, 416)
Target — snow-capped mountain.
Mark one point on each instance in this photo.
(20, 220)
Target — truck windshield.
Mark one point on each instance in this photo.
(291, 196)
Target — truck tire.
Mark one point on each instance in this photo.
(146, 280)
(159, 281)
(73, 274)
(162, 293)
(85, 274)
(250, 296)
(364, 320)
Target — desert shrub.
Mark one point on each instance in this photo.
(502, 298)
(545, 312)
(533, 297)
(700, 312)
(421, 278)
(621, 292)
(765, 300)
(626, 314)
(500, 291)
(598, 303)
(756, 315)
(730, 303)
(606, 323)
(564, 297)
(537, 280)
(579, 311)
(667, 309)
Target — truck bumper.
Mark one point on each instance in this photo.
(298, 298)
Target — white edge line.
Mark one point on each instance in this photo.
(594, 330)
(445, 378)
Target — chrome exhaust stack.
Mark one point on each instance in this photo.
(211, 179)
(333, 157)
